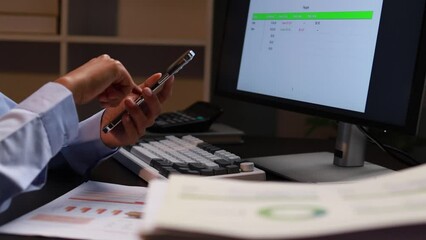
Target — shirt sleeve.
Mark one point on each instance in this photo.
(87, 150)
(31, 133)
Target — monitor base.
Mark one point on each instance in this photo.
(315, 168)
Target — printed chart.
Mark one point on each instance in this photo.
(93, 210)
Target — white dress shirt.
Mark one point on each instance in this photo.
(42, 128)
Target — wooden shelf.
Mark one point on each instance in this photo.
(135, 41)
(30, 38)
(145, 35)
(102, 40)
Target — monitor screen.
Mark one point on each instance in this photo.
(360, 62)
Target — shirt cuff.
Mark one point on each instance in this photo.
(87, 149)
(55, 106)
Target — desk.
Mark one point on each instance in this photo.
(63, 180)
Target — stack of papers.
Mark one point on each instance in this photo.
(186, 207)
(200, 208)
(94, 210)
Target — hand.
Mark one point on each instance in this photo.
(133, 125)
(103, 78)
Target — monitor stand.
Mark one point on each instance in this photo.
(346, 164)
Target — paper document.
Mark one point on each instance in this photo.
(235, 209)
(94, 210)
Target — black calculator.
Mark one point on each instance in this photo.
(196, 118)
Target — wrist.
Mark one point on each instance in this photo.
(67, 83)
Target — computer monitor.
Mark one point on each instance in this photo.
(359, 62)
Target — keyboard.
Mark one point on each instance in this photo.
(160, 157)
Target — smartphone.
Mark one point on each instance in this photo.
(174, 68)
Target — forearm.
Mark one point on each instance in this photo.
(31, 134)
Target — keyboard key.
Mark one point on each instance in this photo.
(167, 171)
(207, 172)
(196, 166)
(192, 139)
(220, 171)
(232, 169)
(223, 162)
(144, 154)
(193, 172)
(184, 170)
(208, 147)
(188, 171)
(238, 162)
(247, 166)
(159, 163)
(179, 165)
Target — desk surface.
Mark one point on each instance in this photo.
(63, 180)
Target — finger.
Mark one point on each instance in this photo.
(136, 115)
(151, 80)
(113, 93)
(110, 100)
(137, 90)
(152, 103)
(124, 80)
(166, 92)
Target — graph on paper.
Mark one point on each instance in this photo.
(94, 210)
